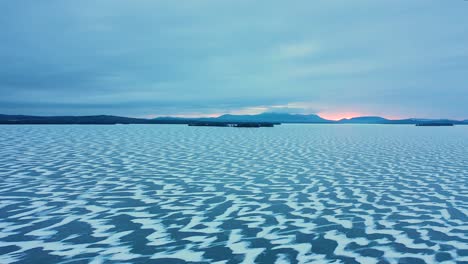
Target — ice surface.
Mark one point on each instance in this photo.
(291, 194)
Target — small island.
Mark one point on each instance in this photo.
(234, 124)
(434, 124)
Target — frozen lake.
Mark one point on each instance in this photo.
(289, 194)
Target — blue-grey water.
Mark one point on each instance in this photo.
(289, 194)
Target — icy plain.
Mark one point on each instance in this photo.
(178, 194)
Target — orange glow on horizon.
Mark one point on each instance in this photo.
(258, 110)
(339, 115)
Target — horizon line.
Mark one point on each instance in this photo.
(199, 116)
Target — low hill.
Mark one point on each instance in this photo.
(274, 118)
(85, 120)
(365, 120)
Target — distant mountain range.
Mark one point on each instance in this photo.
(381, 120)
(274, 118)
(312, 119)
(264, 117)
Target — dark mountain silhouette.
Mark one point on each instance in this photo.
(409, 121)
(365, 120)
(274, 118)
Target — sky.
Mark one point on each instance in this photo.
(148, 58)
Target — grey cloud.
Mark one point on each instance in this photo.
(151, 57)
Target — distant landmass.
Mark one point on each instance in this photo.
(264, 117)
(82, 120)
(286, 118)
(365, 120)
(274, 118)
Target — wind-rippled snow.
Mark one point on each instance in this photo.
(289, 194)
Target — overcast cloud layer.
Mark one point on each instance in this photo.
(394, 58)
